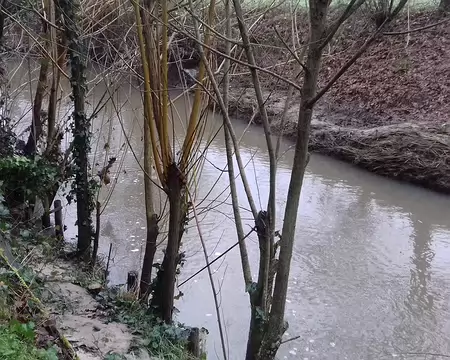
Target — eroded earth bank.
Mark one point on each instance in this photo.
(390, 113)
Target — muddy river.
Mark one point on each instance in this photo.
(370, 275)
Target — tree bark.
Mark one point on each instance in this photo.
(151, 217)
(277, 325)
(163, 297)
(229, 151)
(2, 22)
(149, 255)
(444, 5)
(81, 130)
(36, 122)
(97, 233)
(61, 52)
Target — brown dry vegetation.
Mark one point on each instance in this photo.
(402, 80)
(390, 113)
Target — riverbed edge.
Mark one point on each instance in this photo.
(76, 301)
(413, 152)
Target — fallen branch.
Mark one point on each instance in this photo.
(416, 30)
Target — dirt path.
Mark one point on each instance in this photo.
(81, 318)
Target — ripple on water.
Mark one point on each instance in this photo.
(370, 267)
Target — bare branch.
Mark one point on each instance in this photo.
(290, 50)
(240, 62)
(356, 56)
(211, 279)
(416, 30)
(349, 10)
(217, 258)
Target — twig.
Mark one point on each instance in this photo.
(291, 339)
(290, 50)
(355, 57)
(416, 30)
(240, 62)
(425, 354)
(217, 258)
(350, 9)
(211, 279)
(107, 263)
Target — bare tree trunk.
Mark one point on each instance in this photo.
(319, 36)
(61, 52)
(41, 88)
(142, 13)
(163, 297)
(277, 325)
(151, 217)
(149, 255)
(81, 131)
(229, 151)
(97, 233)
(46, 222)
(36, 122)
(2, 22)
(444, 5)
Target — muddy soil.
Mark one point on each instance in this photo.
(81, 318)
(390, 113)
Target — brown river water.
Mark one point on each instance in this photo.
(370, 274)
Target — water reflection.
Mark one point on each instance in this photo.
(419, 299)
(371, 263)
(419, 311)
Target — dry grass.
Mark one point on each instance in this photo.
(417, 153)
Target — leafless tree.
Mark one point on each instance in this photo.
(268, 293)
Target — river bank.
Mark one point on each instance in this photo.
(53, 307)
(414, 151)
(390, 113)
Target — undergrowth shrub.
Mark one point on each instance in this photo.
(22, 179)
(165, 341)
(17, 342)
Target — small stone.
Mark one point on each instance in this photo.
(95, 287)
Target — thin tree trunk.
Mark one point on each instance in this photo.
(46, 222)
(81, 131)
(60, 50)
(2, 22)
(36, 122)
(211, 280)
(41, 88)
(149, 255)
(444, 5)
(142, 14)
(97, 233)
(229, 151)
(151, 217)
(56, 52)
(277, 325)
(163, 297)
(53, 99)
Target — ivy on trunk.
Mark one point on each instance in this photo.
(70, 10)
